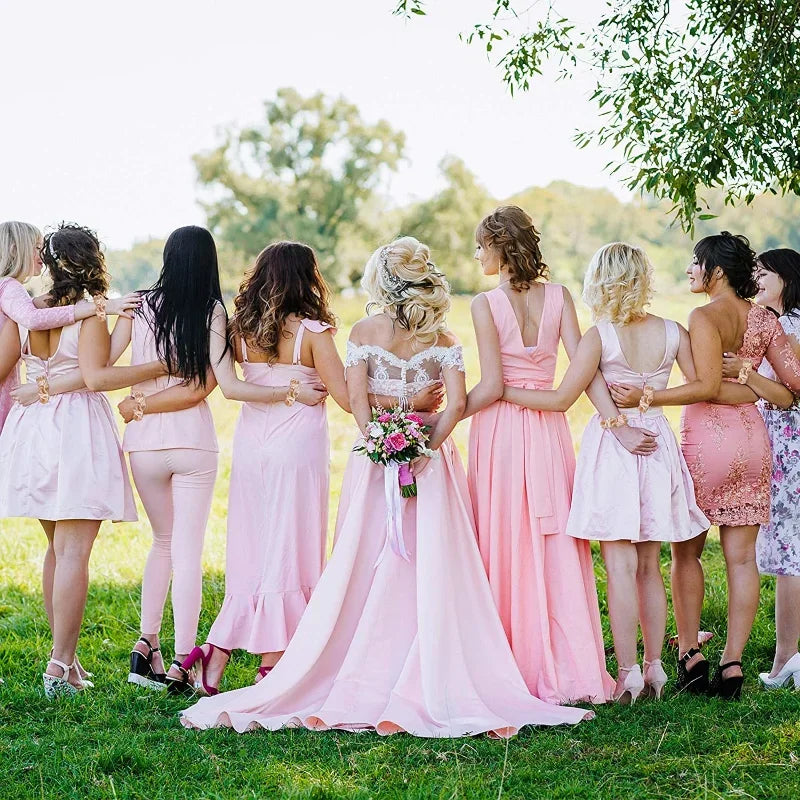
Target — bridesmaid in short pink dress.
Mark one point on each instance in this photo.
(390, 644)
(727, 451)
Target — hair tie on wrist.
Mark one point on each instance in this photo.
(646, 399)
(291, 395)
(141, 405)
(99, 306)
(44, 389)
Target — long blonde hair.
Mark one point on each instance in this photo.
(18, 244)
(619, 283)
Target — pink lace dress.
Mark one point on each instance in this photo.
(15, 304)
(388, 644)
(727, 448)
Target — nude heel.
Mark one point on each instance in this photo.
(632, 686)
(655, 678)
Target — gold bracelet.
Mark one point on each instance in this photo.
(619, 421)
(44, 389)
(744, 372)
(646, 399)
(141, 405)
(291, 395)
(99, 306)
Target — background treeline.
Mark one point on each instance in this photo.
(314, 171)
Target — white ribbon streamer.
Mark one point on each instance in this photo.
(394, 513)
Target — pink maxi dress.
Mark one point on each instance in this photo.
(521, 468)
(619, 496)
(16, 304)
(62, 459)
(389, 644)
(277, 511)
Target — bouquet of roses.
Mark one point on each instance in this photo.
(394, 439)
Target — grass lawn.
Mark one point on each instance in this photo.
(121, 742)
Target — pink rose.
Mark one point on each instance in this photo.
(415, 418)
(396, 442)
(384, 418)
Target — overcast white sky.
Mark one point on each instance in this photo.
(104, 103)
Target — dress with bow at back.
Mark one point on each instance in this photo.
(521, 467)
(620, 496)
(391, 644)
(277, 510)
(63, 459)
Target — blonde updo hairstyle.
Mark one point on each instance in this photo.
(619, 283)
(19, 242)
(511, 232)
(402, 281)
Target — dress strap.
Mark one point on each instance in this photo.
(298, 343)
(550, 322)
(244, 350)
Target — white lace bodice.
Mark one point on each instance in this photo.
(390, 375)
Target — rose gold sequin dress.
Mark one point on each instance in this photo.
(727, 448)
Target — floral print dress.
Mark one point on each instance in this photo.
(778, 544)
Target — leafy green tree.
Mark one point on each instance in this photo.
(135, 268)
(302, 173)
(446, 223)
(695, 94)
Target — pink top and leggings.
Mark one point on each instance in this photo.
(174, 464)
(15, 304)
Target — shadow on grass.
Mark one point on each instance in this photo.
(121, 741)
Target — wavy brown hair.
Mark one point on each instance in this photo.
(76, 264)
(284, 280)
(511, 231)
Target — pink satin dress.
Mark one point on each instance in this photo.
(62, 459)
(619, 496)
(727, 448)
(389, 644)
(16, 304)
(521, 468)
(277, 510)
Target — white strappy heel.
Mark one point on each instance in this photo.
(632, 686)
(655, 678)
(55, 686)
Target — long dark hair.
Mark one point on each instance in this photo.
(785, 263)
(182, 302)
(75, 262)
(734, 256)
(285, 279)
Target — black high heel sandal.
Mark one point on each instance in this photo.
(141, 672)
(726, 688)
(179, 686)
(694, 680)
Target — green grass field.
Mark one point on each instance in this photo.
(121, 742)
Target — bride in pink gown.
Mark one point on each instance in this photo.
(389, 644)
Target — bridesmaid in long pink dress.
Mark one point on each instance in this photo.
(278, 502)
(521, 469)
(727, 450)
(20, 259)
(386, 643)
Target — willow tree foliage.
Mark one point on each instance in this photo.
(692, 94)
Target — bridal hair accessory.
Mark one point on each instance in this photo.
(52, 249)
(394, 282)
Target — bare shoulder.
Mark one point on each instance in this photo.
(372, 329)
(479, 303)
(565, 293)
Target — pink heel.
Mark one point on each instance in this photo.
(199, 655)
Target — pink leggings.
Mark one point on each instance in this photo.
(176, 487)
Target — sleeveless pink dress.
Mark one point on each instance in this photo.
(62, 459)
(521, 468)
(16, 304)
(727, 448)
(277, 511)
(657, 502)
(389, 644)
(190, 428)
